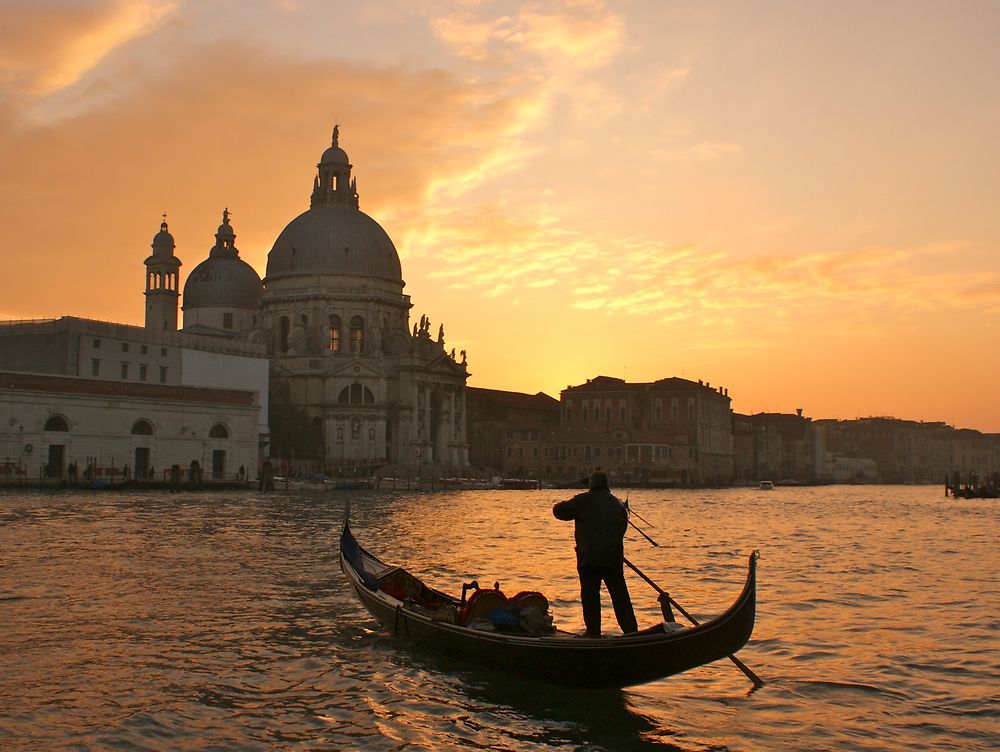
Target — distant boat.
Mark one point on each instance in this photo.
(765, 485)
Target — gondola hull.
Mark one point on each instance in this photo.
(560, 658)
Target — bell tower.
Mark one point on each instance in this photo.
(162, 277)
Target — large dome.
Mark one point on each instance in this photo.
(334, 236)
(334, 239)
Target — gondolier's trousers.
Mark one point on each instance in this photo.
(591, 577)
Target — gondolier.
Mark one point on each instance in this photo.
(601, 521)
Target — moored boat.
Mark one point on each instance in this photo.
(440, 622)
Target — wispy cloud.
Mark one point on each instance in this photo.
(581, 34)
(47, 47)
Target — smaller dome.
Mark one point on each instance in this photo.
(222, 281)
(163, 241)
(334, 155)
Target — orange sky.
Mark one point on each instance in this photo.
(796, 201)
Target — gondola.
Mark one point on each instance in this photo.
(437, 621)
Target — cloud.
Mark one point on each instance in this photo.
(47, 47)
(83, 195)
(577, 34)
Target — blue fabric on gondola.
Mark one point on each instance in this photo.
(352, 552)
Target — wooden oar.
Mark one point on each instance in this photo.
(757, 682)
(653, 542)
(632, 511)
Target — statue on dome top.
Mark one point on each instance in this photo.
(336, 134)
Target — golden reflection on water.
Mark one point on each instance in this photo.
(179, 622)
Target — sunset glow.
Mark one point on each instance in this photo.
(794, 201)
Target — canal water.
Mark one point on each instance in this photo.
(152, 621)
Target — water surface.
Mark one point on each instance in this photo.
(183, 622)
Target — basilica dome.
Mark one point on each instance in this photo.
(223, 279)
(334, 236)
(334, 239)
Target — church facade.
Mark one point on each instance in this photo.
(353, 385)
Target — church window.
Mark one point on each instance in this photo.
(97, 344)
(356, 394)
(357, 334)
(335, 334)
(163, 351)
(142, 372)
(283, 328)
(142, 428)
(163, 374)
(95, 367)
(56, 423)
(124, 370)
(124, 346)
(218, 431)
(371, 434)
(227, 321)
(143, 349)
(333, 182)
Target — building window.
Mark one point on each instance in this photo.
(97, 344)
(356, 394)
(218, 431)
(227, 321)
(163, 374)
(142, 428)
(95, 367)
(357, 334)
(124, 346)
(283, 328)
(143, 349)
(335, 334)
(142, 373)
(163, 351)
(56, 423)
(124, 370)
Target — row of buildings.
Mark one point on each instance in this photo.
(317, 367)
(679, 432)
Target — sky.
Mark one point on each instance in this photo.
(795, 201)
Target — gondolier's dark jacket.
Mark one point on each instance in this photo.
(601, 522)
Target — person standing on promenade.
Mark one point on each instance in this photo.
(601, 521)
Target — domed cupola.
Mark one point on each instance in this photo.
(163, 241)
(223, 291)
(334, 236)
